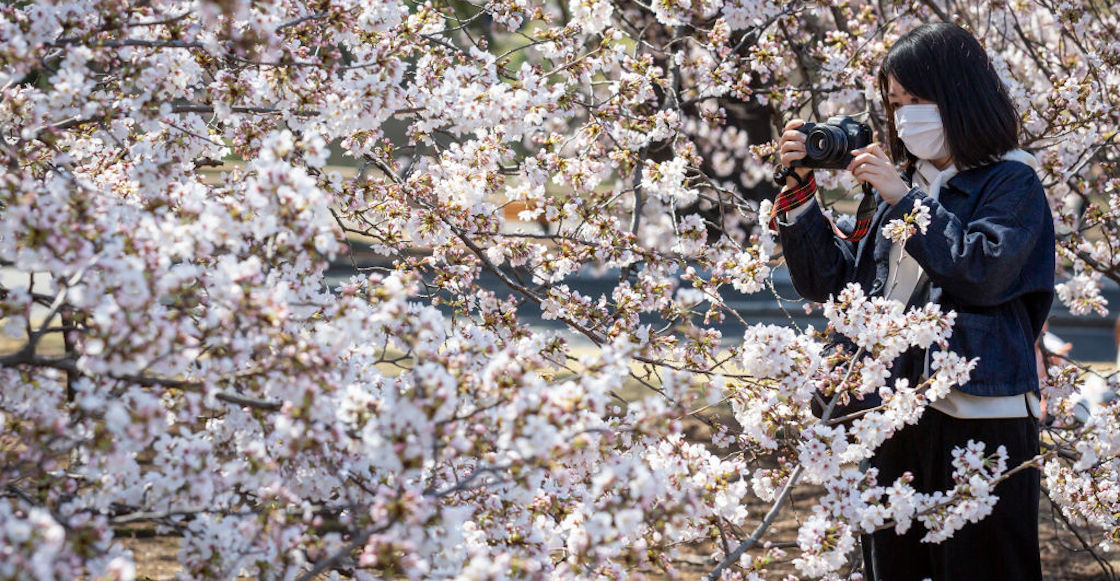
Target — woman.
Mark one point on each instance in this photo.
(988, 254)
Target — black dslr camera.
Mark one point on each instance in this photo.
(829, 145)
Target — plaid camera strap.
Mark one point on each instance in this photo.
(791, 198)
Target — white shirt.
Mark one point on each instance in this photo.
(904, 272)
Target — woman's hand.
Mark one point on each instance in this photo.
(871, 166)
(791, 147)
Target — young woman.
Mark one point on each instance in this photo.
(988, 254)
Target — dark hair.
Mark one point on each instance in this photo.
(944, 63)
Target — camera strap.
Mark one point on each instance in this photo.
(791, 198)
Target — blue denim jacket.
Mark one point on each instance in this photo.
(989, 254)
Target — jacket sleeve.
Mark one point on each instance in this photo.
(820, 263)
(978, 261)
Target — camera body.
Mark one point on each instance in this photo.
(829, 145)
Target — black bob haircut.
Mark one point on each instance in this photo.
(944, 63)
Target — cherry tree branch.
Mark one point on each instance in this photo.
(24, 358)
(762, 527)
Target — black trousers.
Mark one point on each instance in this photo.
(1002, 546)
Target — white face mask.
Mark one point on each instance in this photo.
(919, 127)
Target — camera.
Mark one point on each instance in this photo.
(829, 145)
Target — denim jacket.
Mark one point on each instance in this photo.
(989, 255)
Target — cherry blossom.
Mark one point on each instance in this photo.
(306, 284)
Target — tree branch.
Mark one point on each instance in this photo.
(761, 528)
(64, 42)
(67, 364)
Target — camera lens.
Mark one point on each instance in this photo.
(826, 144)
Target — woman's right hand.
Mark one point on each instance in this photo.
(791, 147)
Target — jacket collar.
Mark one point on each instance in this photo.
(970, 181)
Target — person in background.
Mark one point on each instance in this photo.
(1116, 339)
(1097, 389)
(1055, 347)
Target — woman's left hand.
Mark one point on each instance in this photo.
(871, 166)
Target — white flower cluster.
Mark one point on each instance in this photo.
(666, 182)
(692, 236)
(971, 500)
(1089, 488)
(782, 354)
(747, 270)
(1082, 294)
(36, 546)
(820, 451)
(879, 326)
(591, 15)
(824, 545)
(855, 503)
(914, 222)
